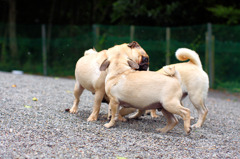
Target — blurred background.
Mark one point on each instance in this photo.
(47, 37)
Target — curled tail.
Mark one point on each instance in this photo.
(171, 71)
(184, 54)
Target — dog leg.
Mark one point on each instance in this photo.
(177, 108)
(138, 114)
(123, 112)
(120, 117)
(97, 104)
(78, 89)
(114, 110)
(126, 111)
(109, 113)
(191, 118)
(171, 121)
(201, 108)
(154, 113)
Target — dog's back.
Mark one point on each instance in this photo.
(192, 75)
(142, 88)
(87, 67)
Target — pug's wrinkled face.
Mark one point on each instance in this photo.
(143, 58)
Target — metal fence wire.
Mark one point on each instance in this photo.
(217, 45)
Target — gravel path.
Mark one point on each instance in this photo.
(42, 128)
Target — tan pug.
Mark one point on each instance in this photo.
(143, 90)
(88, 76)
(194, 80)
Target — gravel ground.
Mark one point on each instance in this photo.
(42, 128)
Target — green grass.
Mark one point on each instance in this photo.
(233, 87)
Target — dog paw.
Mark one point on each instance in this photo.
(162, 130)
(73, 110)
(122, 119)
(196, 126)
(155, 116)
(108, 125)
(92, 118)
(188, 131)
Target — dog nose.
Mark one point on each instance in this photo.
(144, 59)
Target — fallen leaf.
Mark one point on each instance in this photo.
(34, 99)
(27, 106)
(69, 91)
(121, 157)
(14, 85)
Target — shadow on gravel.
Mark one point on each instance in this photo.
(145, 124)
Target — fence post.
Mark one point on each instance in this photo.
(44, 51)
(206, 53)
(132, 32)
(168, 35)
(213, 60)
(210, 49)
(96, 32)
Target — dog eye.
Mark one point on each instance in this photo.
(144, 59)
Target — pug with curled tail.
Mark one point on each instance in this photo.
(194, 80)
(143, 90)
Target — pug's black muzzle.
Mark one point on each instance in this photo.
(143, 66)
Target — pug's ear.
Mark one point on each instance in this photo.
(104, 65)
(133, 44)
(133, 64)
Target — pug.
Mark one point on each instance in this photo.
(89, 77)
(194, 80)
(143, 90)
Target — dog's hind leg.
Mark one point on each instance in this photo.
(171, 121)
(154, 113)
(125, 111)
(198, 103)
(99, 94)
(138, 114)
(78, 89)
(175, 107)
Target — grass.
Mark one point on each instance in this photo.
(232, 87)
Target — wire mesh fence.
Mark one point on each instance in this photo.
(66, 44)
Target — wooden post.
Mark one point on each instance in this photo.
(96, 32)
(44, 50)
(212, 60)
(210, 52)
(168, 35)
(132, 32)
(13, 32)
(206, 53)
